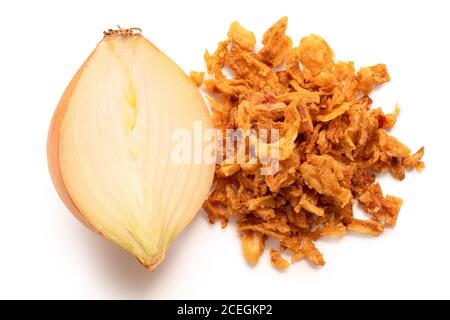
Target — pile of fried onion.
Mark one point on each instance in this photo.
(332, 143)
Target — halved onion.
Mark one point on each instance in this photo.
(110, 140)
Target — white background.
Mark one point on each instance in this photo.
(46, 253)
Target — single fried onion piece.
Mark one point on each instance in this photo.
(277, 45)
(241, 36)
(332, 143)
(197, 77)
(277, 260)
(309, 251)
(315, 55)
(252, 246)
(369, 77)
(371, 227)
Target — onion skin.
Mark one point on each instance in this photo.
(53, 149)
(54, 162)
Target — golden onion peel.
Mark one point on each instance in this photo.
(109, 146)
